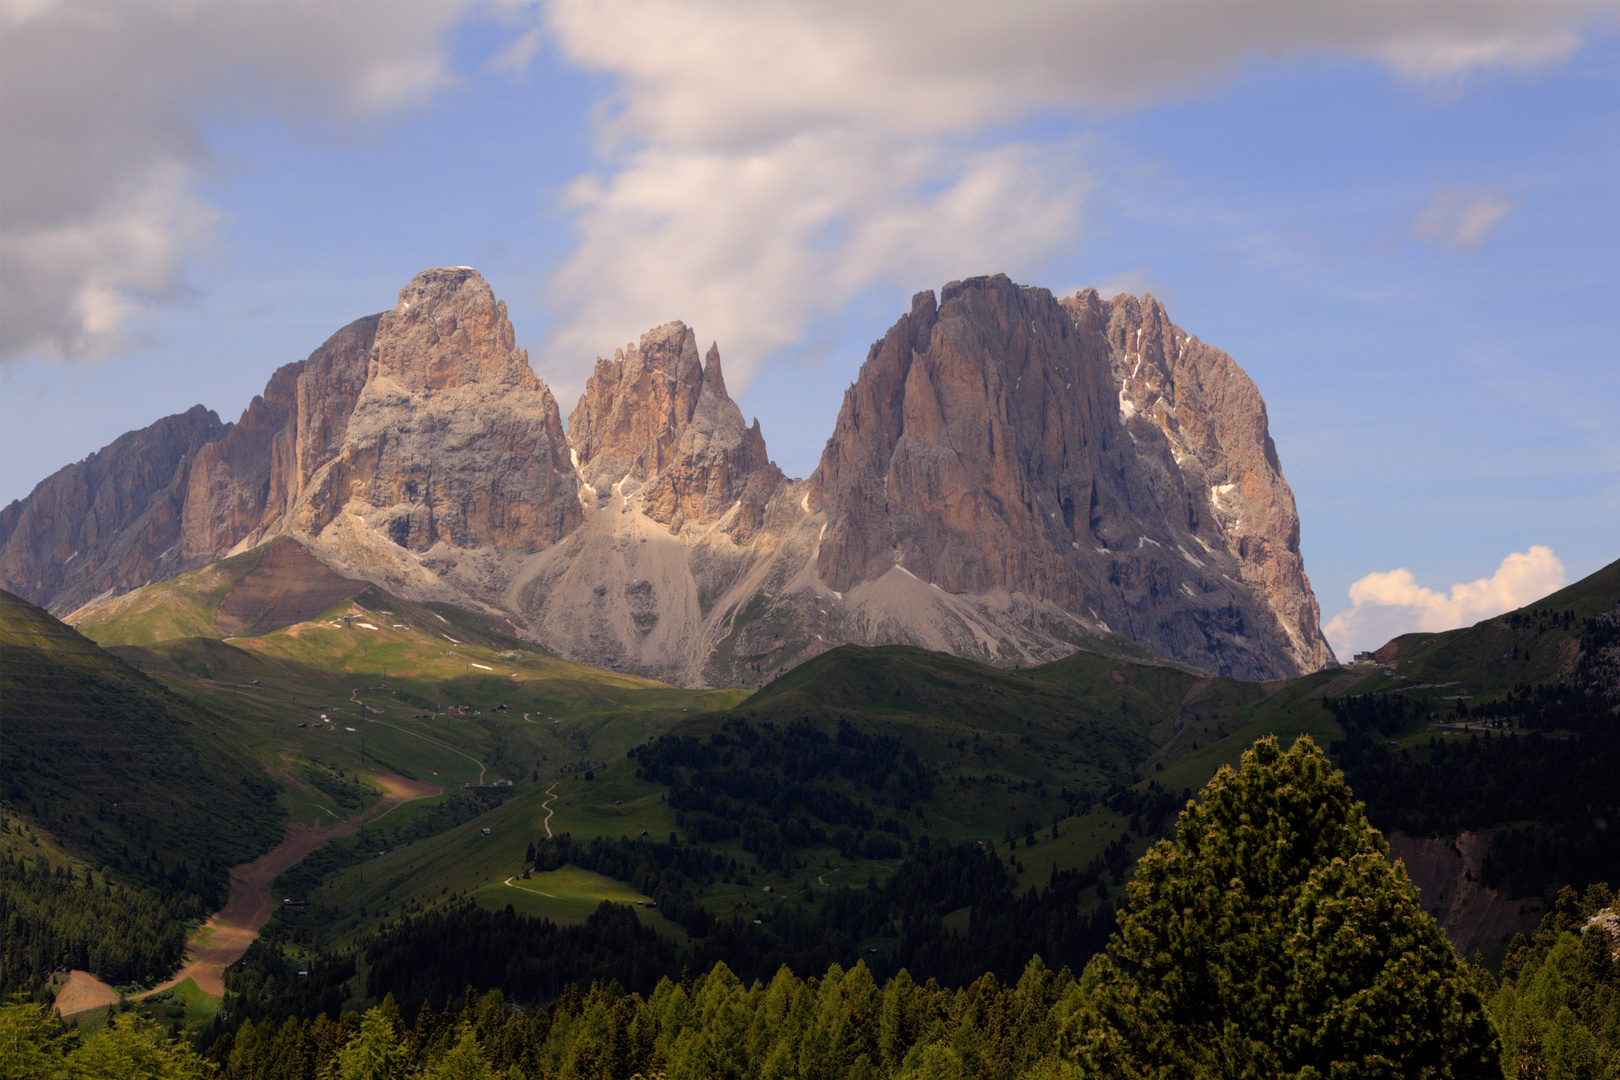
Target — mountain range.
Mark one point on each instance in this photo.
(1012, 476)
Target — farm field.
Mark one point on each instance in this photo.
(566, 896)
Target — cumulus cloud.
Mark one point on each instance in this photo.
(747, 249)
(1461, 219)
(761, 163)
(793, 153)
(104, 135)
(1389, 603)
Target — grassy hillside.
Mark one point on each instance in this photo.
(122, 771)
(837, 771)
(1534, 644)
(185, 606)
(432, 693)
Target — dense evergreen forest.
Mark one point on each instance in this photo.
(137, 784)
(1277, 868)
(431, 958)
(55, 917)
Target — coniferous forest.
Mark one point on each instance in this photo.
(1272, 935)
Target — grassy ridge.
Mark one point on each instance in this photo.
(167, 610)
(123, 772)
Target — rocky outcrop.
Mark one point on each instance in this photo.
(420, 429)
(452, 440)
(686, 519)
(243, 487)
(110, 522)
(1003, 442)
(653, 419)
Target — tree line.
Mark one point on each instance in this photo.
(1272, 937)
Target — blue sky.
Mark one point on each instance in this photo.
(1400, 219)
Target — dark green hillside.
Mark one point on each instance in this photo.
(1535, 644)
(1511, 725)
(58, 912)
(124, 773)
(1083, 723)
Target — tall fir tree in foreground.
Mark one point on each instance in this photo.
(1273, 938)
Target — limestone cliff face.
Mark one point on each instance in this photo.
(1213, 420)
(242, 487)
(420, 429)
(686, 519)
(1004, 442)
(452, 439)
(109, 522)
(655, 420)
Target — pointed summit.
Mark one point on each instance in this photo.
(449, 330)
(655, 421)
(713, 380)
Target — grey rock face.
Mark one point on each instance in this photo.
(653, 418)
(452, 439)
(109, 522)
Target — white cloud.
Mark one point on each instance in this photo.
(103, 130)
(1389, 603)
(747, 248)
(762, 163)
(1461, 219)
(1437, 55)
(878, 139)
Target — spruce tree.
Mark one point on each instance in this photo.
(1273, 938)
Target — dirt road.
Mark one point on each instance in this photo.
(551, 797)
(222, 940)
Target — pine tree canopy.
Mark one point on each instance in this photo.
(1273, 938)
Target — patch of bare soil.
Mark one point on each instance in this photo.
(82, 993)
(288, 586)
(223, 939)
(1448, 876)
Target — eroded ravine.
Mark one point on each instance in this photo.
(222, 940)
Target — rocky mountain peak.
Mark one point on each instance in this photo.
(1086, 453)
(453, 440)
(109, 522)
(1011, 476)
(634, 407)
(448, 330)
(1211, 421)
(656, 422)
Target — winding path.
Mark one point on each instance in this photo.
(551, 797)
